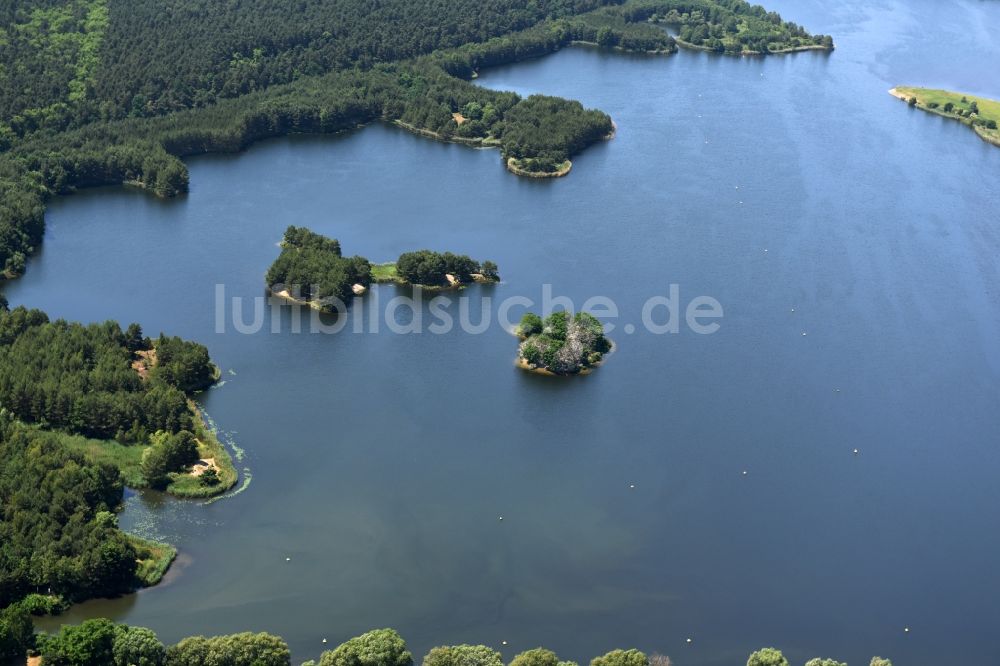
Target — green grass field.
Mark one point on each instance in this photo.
(385, 272)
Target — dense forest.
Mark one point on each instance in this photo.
(144, 58)
(561, 344)
(84, 379)
(311, 268)
(434, 269)
(94, 60)
(108, 92)
(58, 534)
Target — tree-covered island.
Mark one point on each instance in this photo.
(561, 344)
(311, 271)
(979, 113)
(436, 270)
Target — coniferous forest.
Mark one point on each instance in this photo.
(81, 379)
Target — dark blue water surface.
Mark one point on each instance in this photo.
(794, 190)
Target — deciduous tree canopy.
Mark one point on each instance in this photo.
(564, 345)
(52, 532)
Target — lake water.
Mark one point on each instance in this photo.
(381, 463)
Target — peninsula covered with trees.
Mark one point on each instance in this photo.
(561, 344)
(311, 270)
(116, 397)
(979, 113)
(106, 93)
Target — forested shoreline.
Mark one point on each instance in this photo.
(53, 153)
(116, 397)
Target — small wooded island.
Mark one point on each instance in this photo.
(981, 114)
(561, 344)
(312, 271)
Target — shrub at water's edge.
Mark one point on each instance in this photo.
(57, 527)
(561, 344)
(979, 113)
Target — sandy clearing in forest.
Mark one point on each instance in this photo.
(203, 466)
